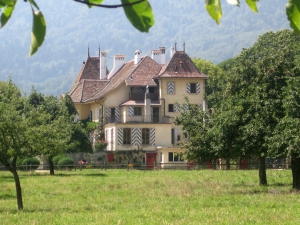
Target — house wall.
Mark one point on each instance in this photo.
(181, 92)
(83, 110)
(116, 97)
(162, 136)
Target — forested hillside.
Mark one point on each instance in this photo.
(72, 27)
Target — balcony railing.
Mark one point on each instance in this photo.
(141, 96)
(138, 119)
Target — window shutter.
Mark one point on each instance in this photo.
(198, 88)
(171, 88)
(108, 114)
(188, 88)
(131, 110)
(136, 136)
(120, 136)
(152, 136)
(177, 107)
(151, 114)
(186, 107)
(117, 114)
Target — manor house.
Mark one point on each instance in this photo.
(137, 101)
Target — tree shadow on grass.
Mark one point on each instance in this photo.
(83, 175)
(6, 196)
(273, 188)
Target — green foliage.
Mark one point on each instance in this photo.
(214, 9)
(252, 5)
(38, 31)
(56, 159)
(9, 6)
(140, 15)
(29, 163)
(293, 14)
(100, 143)
(66, 162)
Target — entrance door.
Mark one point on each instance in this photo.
(155, 114)
(150, 160)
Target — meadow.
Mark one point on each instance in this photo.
(95, 196)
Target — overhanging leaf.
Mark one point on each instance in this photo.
(7, 12)
(214, 9)
(34, 4)
(6, 2)
(93, 1)
(38, 32)
(140, 15)
(252, 5)
(293, 14)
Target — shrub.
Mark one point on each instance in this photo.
(66, 162)
(29, 163)
(56, 159)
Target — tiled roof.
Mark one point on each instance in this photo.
(143, 75)
(86, 89)
(180, 65)
(89, 87)
(134, 75)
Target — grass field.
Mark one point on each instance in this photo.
(150, 197)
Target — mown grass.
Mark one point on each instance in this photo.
(150, 197)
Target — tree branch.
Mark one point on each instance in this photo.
(110, 6)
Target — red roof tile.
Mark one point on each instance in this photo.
(181, 66)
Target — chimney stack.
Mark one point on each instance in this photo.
(156, 56)
(102, 65)
(163, 55)
(119, 61)
(137, 57)
(172, 51)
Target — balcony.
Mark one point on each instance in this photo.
(141, 96)
(138, 119)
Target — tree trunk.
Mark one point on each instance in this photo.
(13, 169)
(18, 189)
(262, 171)
(227, 164)
(296, 171)
(51, 166)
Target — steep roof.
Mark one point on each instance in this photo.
(85, 89)
(133, 75)
(180, 66)
(89, 87)
(143, 75)
(88, 80)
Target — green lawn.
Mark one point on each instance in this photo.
(150, 197)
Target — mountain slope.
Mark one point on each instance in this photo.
(72, 27)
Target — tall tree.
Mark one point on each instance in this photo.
(16, 137)
(54, 128)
